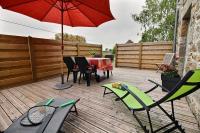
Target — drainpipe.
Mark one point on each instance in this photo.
(175, 27)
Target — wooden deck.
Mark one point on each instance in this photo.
(96, 114)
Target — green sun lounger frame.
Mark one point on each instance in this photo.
(138, 100)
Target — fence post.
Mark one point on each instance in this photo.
(116, 54)
(78, 49)
(140, 55)
(32, 58)
(101, 50)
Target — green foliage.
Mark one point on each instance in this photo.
(69, 37)
(114, 50)
(157, 20)
(92, 52)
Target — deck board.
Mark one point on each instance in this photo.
(4, 120)
(97, 114)
(12, 112)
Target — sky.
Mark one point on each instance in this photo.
(120, 30)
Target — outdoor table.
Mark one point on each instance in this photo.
(102, 64)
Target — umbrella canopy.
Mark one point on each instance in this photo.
(86, 13)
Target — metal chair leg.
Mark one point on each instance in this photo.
(68, 75)
(150, 123)
(80, 78)
(87, 76)
(140, 123)
(75, 110)
(104, 92)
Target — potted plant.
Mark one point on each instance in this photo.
(92, 52)
(169, 77)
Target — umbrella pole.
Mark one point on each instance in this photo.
(62, 48)
(62, 85)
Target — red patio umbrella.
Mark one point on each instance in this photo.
(86, 13)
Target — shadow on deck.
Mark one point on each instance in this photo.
(96, 114)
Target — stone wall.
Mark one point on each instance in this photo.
(188, 46)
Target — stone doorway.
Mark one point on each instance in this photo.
(183, 41)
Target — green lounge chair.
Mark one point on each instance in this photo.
(137, 100)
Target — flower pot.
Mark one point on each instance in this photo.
(169, 82)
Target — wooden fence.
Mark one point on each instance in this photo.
(27, 59)
(141, 55)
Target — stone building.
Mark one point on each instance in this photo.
(188, 45)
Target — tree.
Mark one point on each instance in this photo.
(69, 37)
(114, 50)
(157, 19)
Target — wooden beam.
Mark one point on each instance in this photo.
(101, 50)
(78, 49)
(140, 56)
(32, 58)
(116, 54)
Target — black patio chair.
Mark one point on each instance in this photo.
(71, 66)
(85, 69)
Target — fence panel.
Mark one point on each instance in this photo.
(85, 49)
(46, 56)
(128, 55)
(141, 55)
(27, 59)
(15, 66)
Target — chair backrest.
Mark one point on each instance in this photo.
(189, 83)
(168, 58)
(82, 63)
(69, 62)
(110, 56)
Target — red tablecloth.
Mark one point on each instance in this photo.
(101, 63)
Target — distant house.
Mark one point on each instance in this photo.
(129, 41)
